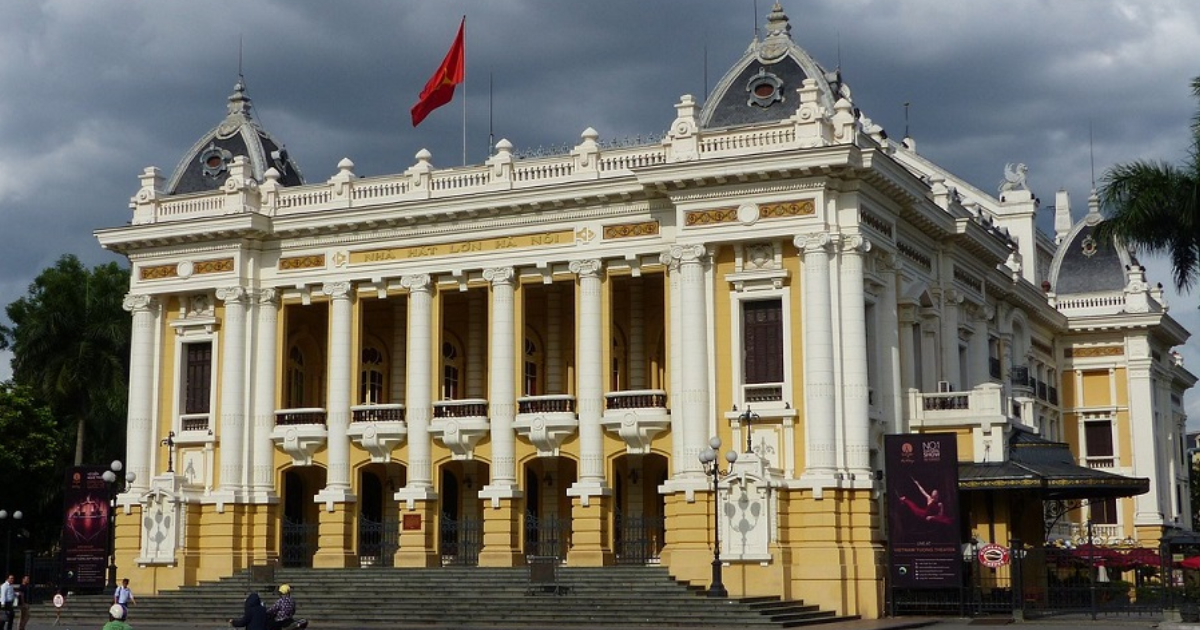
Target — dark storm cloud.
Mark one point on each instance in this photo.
(91, 92)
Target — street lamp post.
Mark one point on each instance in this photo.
(746, 419)
(8, 527)
(116, 485)
(708, 458)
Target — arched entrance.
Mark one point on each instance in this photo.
(379, 514)
(639, 523)
(298, 527)
(460, 527)
(547, 506)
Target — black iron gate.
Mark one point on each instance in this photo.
(377, 542)
(637, 538)
(547, 537)
(1045, 581)
(460, 540)
(298, 543)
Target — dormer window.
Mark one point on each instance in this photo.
(764, 89)
(214, 160)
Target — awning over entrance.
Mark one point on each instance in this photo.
(1049, 469)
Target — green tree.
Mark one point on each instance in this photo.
(70, 343)
(35, 452)
(1156, 206)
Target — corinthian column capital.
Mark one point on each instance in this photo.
(234, 293)
(137, 302)
(337, 290)
(417, 282)
(591, 267)
(499, 275)
(813, 243)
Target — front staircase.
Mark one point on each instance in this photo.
(463, 596)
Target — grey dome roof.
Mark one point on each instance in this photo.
(1085, 264)
(206, 166)
(761, 86)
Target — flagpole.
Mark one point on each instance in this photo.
(464, 113)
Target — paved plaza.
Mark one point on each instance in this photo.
(901, 623)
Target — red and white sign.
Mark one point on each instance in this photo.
(992, 555)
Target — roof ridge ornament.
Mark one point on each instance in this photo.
(779, 36)
(238, 111)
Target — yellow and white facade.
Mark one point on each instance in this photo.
(556, 339)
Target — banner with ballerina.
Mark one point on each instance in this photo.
(923, 517)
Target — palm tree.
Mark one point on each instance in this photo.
(70, 344)
(1156, 206)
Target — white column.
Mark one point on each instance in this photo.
(678, 437)
(636, 352)
(951, 371)
(887, 326)
(818, 351)
(139, 433)
(554, 350)
(502, 400)
(419, 407)
(337, 397)
(398, 381)
(977, 347)
(233, 391)
(694, 352)
(266, 352)
(589, 378)
(855, 383)
(1148, 506)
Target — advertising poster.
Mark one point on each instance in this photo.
(922, 497)
(85, 528)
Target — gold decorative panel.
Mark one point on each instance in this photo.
(527, 241)
(787, 209)
(1104, 351)
(630, 230)
(312, 261)
(158, 272)
(216, 265)
(710, 217)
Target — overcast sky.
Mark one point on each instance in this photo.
(92, 92)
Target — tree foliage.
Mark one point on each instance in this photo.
(1156, 206)
(36, 450)
(70, 344)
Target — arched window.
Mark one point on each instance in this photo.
(295, 378)
(452, 369)
(371, 376)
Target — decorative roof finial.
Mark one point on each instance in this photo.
(239, 103)
(777, 22)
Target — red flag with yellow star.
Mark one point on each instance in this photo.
(440, 88)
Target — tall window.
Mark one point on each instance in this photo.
(451, 369)
(1103, 511)
(1098, 440)
(370, 382)
(532, 357)
(295, 378)
(762, 334)
(198, 378)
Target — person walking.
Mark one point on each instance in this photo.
(25, 599)
(124, 596)
(8, 602)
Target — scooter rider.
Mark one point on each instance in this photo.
(280, 614)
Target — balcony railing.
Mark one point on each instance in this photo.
(1101, 463)
(552, 403)
(291, 417)
(193, 422)
(763, 392)
(984, 403)
(377, 413)
(636, 399)
(948, 400)
(464, 408)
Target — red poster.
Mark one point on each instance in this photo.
(85, 536)
(923, 515)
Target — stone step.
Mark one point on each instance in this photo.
(385, 597)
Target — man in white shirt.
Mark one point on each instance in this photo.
(8, 601)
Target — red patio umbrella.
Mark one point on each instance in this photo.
(1100, 556)
(1189, 563)
(1142, 557)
